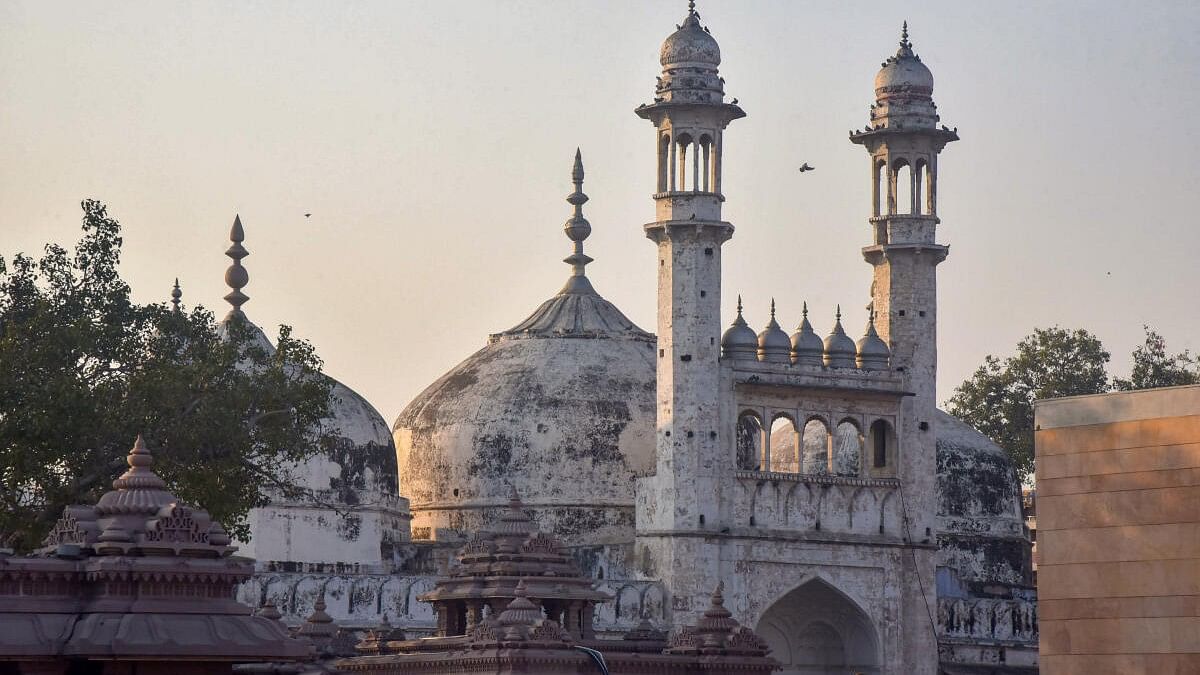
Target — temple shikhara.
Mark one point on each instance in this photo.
(704, 497)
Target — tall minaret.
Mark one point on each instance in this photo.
(904, 138)
(690, 116)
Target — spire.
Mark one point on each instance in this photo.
(236, 276)
(772, 309)
(838, 316)
(905, 50)
(176, 294)
(692, 7)
(577, 229)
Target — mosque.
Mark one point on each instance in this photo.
(855, 526)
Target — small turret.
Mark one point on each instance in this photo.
(873, 352)
(773, 344)
(840, 351)
(739, 340)
(807, 348)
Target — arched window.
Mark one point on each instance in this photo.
(683, 143)
(664, 161)
(879, 189)
(918, 179)
(904, 187)
(881, 443)
(847, 449)
(783, 445)
(708, 163)
(749, 441)
(815, 442)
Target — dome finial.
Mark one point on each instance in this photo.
(236, 276)
(804, 312)
(739, 305)
(905, 46)
(839, 313)
(691, 6)
(176, 294)
(772, 309)
(577, 229)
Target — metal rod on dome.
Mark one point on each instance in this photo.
(577, 229)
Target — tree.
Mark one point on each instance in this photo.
(998, 398)
(1153, 368)
(86, 370)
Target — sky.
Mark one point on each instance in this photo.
(432, 143)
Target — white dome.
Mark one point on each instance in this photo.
(561, 406)
(690, 44)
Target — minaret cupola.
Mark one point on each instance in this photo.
(904, 90)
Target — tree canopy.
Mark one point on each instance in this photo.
(86, 370)
(1051, 362)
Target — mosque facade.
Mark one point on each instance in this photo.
(854, 526)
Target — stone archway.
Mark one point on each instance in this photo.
(816, 630)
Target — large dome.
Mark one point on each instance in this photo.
(562, 407)
(980, 525)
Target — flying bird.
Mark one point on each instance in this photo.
(805, 167)
(308, 215)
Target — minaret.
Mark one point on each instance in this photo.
(904, 138)
(690, 115)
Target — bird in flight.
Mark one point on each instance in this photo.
(308, 215)
(805, 167)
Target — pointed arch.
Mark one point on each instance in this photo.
(818, 628)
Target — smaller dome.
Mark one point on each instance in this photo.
(873, 352)
(690, 44)
(904, 72)
(773, 344)
(739, 340)
(840, 350)
(807, 348)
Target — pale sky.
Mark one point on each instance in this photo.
(432, 142)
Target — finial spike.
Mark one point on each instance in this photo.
(176, 294)
(577, 229)
(772, 309)
(804, 312)
(839, 312)
(236, 276)
(691, 6)
(739, 304)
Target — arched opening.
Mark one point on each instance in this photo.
(904, 187)
(931, 189)
(847, 449)
(783, 445)
(882, 443)
(878, 189)
(749, 441)
(706, 148)
(817, 630)
(815, 441)
(664, 161)
(918, 179)
(683, 143)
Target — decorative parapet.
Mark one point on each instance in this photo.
(1002, 620)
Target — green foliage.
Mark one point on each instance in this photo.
(86, 370)
(1152, 367)
(998, 398)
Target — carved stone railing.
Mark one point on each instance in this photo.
(359, 601)
(998, 619)
(819, 503)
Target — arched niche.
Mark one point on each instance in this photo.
(815, 442)
(784, 458)
(847, 449)
(749, 436)
(816, 629)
